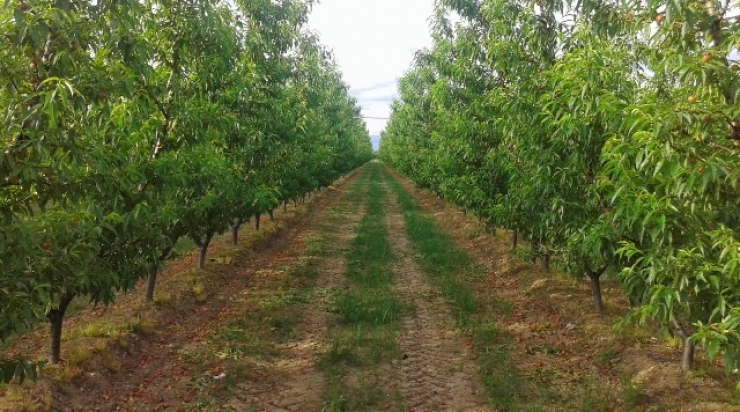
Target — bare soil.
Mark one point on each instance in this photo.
(162, 362)
(246, 333)
(572, 357)
(437, 370)
(291, 381)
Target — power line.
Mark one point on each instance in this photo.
(372, 117)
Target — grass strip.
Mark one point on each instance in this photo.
(366, 321)
(453, 272)
(263, 324)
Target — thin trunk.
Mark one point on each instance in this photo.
(272, 215)
(687, 357)
(203, 251)
(257, 222)
(285, 206)
(596, 288)
(152, 278)
(514, 240)
(56, 318)
(151, 281)
(235, 235)
(546, 262)
(303, 199)
(295, 202)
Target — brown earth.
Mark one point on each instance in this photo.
(152, 357)
(245, 334)
(291, 381)
(572, 357)
(438, 370)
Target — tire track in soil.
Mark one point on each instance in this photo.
(438, 371)
(292, 382)
(154, 352)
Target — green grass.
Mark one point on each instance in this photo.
(363, 395)
(451, 270)
(356, 193)
(368, 261)
(363, 336)
(183, 246)
(259, 330)
(367, 308)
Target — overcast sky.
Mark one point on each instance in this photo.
(374, 43)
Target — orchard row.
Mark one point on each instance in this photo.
(604, 133)
(130, 124)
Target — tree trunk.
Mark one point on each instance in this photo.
(514, 240)
(285, 206)
(235, 235)
(203, 251)
(596, 288)
(257, 222)
(546, 262)
(272, 215)
(56, 318)
(687, 357)
(150, 282)
(152, 278)
(295, 202)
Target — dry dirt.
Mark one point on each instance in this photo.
(292, 382)
(144, 369)
(572, 357)
(556, 340)
(438, 371)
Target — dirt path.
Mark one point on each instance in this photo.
(569, 357)
(292, 382)
(438, 371)
(174, 363)
(252, 340)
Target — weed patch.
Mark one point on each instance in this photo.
(450, 270)
(367, 313)
(370, 308)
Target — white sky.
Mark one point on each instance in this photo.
(374, 43)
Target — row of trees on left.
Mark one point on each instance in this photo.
(128, 124)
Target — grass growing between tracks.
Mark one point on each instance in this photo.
(451, 270)
(366, 314)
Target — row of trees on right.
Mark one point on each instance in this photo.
(604, 133)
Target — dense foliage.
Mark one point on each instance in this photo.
(128, 124)
(605, 133)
